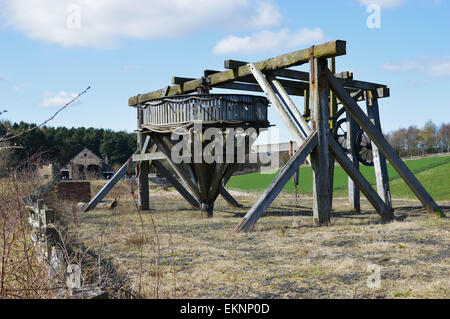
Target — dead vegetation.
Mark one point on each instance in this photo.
(171, 252)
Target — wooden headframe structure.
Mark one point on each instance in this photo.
(327, 96)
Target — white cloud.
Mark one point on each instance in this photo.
(436, 67)
(383, 3)
(4, 79)
(265, 41)
(59, 99)
(104, 23)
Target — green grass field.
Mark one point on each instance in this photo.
(433, 173)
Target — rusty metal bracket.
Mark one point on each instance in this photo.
(204, 86)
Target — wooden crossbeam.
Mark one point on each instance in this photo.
(326, 50)
(149, 157)
(346, 78)
(377, 137)
(294, 85)
(249, 84)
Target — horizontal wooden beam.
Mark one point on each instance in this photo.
(149, 157)
(346, 78)
(254, 88)
(326, 50)
(250, 84)
(180, 80)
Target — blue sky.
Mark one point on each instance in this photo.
(55, 49)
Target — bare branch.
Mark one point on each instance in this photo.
(5, 138)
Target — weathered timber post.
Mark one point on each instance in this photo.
(142, 167)
(379, 161)
(319, 96)
(333, 111)
(354, 198)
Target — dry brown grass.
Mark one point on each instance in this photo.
(172, 252)
(22, 275)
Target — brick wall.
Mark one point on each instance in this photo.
(77, 191)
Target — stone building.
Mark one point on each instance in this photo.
(87, 165)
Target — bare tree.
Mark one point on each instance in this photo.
(429, 136)
(413, 140)
(6, 139)
(444, 137)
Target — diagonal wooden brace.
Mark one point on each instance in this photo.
(384, 210)
(285, 116)
(278, 183)
(377, 137)
(187, 196)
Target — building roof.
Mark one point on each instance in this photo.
(86, 157)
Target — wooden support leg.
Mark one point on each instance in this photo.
(165, 146)
(229, 198)
(143, 168)
(360, 117)
(333, 111)
(143, 194)
(319, 96)
(278, 183)
(353, 189)
(379, 161)
(191, 200)
(363, 184)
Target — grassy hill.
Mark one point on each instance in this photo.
(433, 173)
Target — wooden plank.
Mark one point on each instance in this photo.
(372, 196)
(387, 150)
(353, 189)
(149, 157)
(326, 50)
(319, 97)
(277, 184)
(379, 161)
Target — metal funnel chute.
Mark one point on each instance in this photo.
(205, 137)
